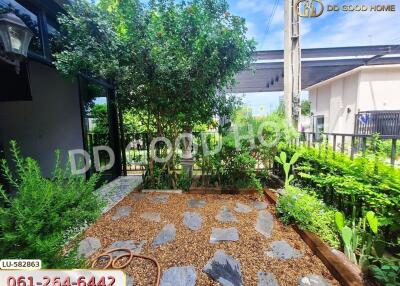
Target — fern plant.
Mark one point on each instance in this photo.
(39, 219)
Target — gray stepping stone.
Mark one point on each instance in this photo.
(167, 234)
(129, 280)
(224, 269)
(136, 247)
(179, 276)
(282, 250)
(313, 280)
(160, 199)
(87, 247)
(265, 223)
(242, 208)
(266, 279)
(260, 205)
(196, 203)
(122, 212)
(224, 234)
(137, 196)
(225, 215)
(150, 216)
(192, 221)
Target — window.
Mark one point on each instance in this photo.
(30, 18)
(54, 36)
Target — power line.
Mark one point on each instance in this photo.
(271, 17)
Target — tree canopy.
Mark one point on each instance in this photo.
(172, 61)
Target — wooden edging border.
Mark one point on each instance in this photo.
(337, 268)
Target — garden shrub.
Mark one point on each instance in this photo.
(308, 212)
(41, 217)
(366, 182)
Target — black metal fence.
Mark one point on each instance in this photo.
(386, 123)
(352, 144)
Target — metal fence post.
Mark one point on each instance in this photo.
(352, 147)
(342, 147)
(334, 143)
(364, 145)
(393, 152)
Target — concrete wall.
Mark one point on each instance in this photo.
(50, 121)
(367, 88)
(379, 89)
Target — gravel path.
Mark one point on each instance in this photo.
(258, 259)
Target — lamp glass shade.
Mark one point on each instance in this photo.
(15, 36)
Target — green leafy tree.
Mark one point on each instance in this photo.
(171, 61)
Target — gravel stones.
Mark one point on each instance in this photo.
(242, 208)
(225, 215)
(167, 234)
(151, 216)
(224, 234)
(260, 205)
(122, 212)
(196, 203)
(224, 269)
(159, 199)
(192, 221)
(266, 279)
(179, 276)
(87, 247)
(136, 247)
(313, 280)
(282, 250)
(265, 223)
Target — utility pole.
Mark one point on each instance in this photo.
(292, 63)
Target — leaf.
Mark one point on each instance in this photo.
(291, 177)
(339, 220)
(294, 158)
(283, 157)
(347, 235)
(277, 159)
(372, 221)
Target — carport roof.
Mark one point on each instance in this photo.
(266, 74)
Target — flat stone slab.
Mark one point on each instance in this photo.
(160, 199)
(162, 191)
(265, 223)
(136, 247)
(129, 280)
(192, 221)
(266, 279)
(196, 203)
(151, 216)
(224, 269)
(224, 234)
(137, 196)
(179, 276)
(242, 208)
(87, 247)
(260, 205)
(122, 212)
(282, 250)
(225, 215)
(167, 234)
(313, 280)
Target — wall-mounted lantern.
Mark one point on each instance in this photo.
(16, 37)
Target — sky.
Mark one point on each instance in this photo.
(331, 29)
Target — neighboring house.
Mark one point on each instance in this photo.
(364, 100)
(42, 110)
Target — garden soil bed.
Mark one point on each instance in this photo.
(193, 247)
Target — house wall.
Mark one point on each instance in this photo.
(50, 121)
(379, 89)
(369, 88)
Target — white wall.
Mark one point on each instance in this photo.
(366, 88)
(50, 121)
(379, 89)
